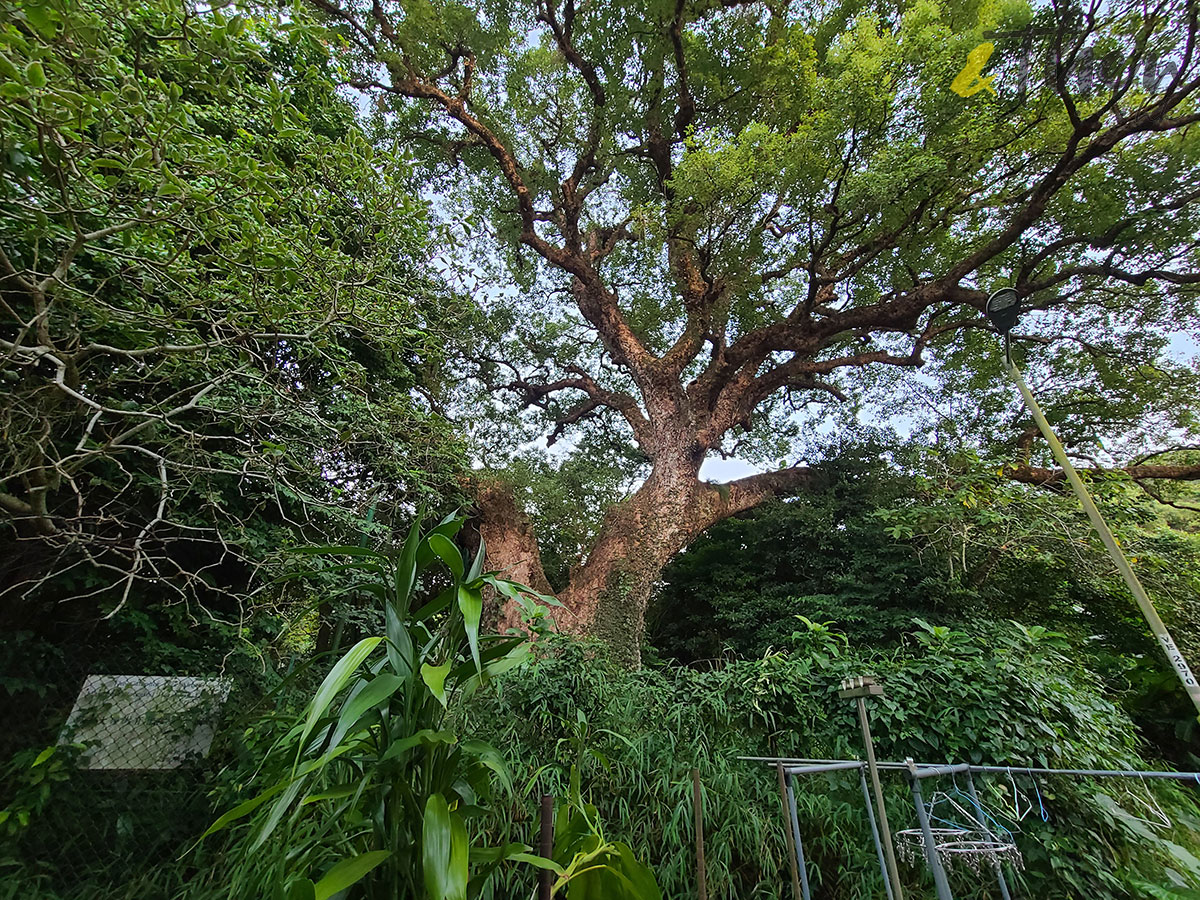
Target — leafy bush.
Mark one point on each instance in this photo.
(1003, 695)
(368, 786)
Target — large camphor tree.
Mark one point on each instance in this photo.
(719, 212)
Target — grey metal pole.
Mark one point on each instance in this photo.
(1157, 626)
(931, 854)
(873, 768)
(977, 811)
(788, 832)
(887, 881)
(800, 863)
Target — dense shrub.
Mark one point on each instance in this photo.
(1005, 695)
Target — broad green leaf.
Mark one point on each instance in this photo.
(438, 853)
(341, 673)
(470, 602)
(477, 564)
(400, 650)
(301, 890)
(450, 554)
(377, 690)
(448, 528)
(35, 75)
(490, 757)
(424, 736)
(435, 679)
(406, 567)
(348, 872)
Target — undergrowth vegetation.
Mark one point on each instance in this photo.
(1002, 694)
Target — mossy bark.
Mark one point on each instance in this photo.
(609, 591)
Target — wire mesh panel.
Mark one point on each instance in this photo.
(108, 783)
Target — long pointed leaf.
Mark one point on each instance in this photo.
(348, 872)
(377, 690)
(451, 555)
(470, 601)
(435, 847)
(341, 673)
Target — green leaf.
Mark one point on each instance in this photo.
(470, 602)
(445, 851)
(35, 75)
(377, 690)
(301, 890)
(42, 18)
(341, 673)
(450, 555)
(244, 809)
(348, 872)
(406, 567)
(490, 757)
(424, 736)
(477, 564)
(435, 679)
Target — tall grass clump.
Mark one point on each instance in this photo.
(1004, 694)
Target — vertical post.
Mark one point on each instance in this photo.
(859, 688)
(931, 854)
(788, 833)
(794, 821)
(883, 870)
(698, 818)
(982, 820)
(1157, 626)
(546, 846)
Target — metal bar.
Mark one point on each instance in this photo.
(883, 870)
(934, 771)
(1015, 769)
(546, 846)
(931, 855)
(800, 863)
(1090, 773)
(873, 769)
(823, 767)
(1157, 626)
(982, 820)
(787, 831)
(698, 817)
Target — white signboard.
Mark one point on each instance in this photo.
(144, 721)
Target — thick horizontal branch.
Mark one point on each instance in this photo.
(1027, 474)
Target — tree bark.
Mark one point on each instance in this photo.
(608, 592)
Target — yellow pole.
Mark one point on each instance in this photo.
(1157, 626)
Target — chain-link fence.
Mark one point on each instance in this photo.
(109, 774)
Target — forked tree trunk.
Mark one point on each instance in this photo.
(607, 594)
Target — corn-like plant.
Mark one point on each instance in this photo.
(368, 793)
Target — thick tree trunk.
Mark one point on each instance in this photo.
(607, 594)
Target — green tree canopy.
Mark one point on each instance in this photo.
(214, 329)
